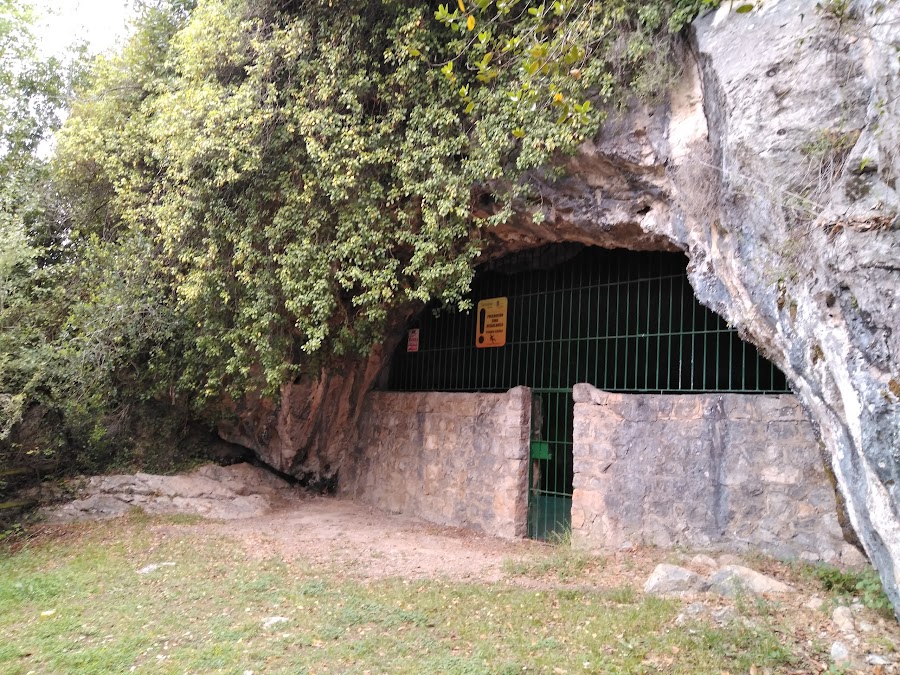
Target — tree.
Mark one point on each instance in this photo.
(33, 92)
(297, 173)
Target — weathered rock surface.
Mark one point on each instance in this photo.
(236, 491)
(735, 579)
(801, 249)
(729, 580)
(672, 580)
(839, 653)
(308, 430)
(780, 184)
(843, 619)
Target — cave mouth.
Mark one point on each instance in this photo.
(622, 321)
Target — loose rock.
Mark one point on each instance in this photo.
(814, 603)
(732, 579)
(843, 619)
(274, 621)
(152, 567)
(840, 653)
(672, 579)
(724, 615)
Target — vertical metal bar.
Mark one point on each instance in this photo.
(705, 314)
(565, 355)
(551, 336)
(544, 340)
(669, 339)
(659, 330)
(693, 339)
(627, 332)
(460, 337)
(743, 366)
(577, 368)
(730, 361)
(618, 291)
(647, 335)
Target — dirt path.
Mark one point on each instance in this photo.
(369, 543)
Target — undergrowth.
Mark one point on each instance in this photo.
(863, 585)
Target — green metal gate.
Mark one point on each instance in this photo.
(550, 470)
(620, 320)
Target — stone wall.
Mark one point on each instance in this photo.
(449, 458)
(721, 471)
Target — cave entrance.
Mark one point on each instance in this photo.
(622, 321)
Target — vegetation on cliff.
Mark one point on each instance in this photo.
(252, 187)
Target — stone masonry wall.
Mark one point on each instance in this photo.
(449, 458)
(719, 471)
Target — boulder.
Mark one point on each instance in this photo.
(673, 580)
(734, 579)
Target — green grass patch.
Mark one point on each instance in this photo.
(864, 585)
(78, 604)
(562, 561)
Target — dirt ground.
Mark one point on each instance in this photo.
(369, 543)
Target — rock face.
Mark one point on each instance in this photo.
(228, 493)
(307, 431)
(774, 167)
(802, 248)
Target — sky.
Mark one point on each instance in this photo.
(101, 22)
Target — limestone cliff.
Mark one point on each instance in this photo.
(797, 239)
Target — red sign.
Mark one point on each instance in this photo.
(412, 340)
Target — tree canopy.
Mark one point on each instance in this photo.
(251, 188)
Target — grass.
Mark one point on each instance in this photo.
(76, 603)
(564, 562)
(863, 585)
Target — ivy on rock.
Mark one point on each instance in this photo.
(264, 182)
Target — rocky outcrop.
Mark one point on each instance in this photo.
(774, 167)
(223, 492)
(801, 248)
(776, 172)
(306, 431)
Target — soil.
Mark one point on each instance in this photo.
(368, 543)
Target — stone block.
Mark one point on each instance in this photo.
(587, 393)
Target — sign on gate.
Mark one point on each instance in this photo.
(412, 340)
(491, 328)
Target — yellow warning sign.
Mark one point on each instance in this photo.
(491, 328)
